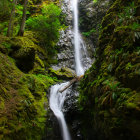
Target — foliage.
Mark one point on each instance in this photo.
(127, 14)
(135, 25)
(7, 45)
(95, 1)
(127, 17)
(112, 84)
(111, 90)
(87, 34)
(137, 35)
(3, 27)
(47, 26)
(5, 8)
(128, 66)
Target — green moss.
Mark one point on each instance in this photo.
(5, 45)
(2, 105)
(26, 42)
(110, 88)
(63, 73)
(128, 66)
(23, 101)
(39, 61)
(131, 106)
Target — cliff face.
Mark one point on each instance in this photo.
(91, 14)
(110, 90)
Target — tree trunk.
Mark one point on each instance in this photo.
(71, 82)
(11, 21)
(22, 26)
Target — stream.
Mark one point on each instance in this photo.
(57, 99)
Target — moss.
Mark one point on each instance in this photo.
(27, 54)
(110, 88)
(25, 58)
(2, 104)
(38, 66)
(63, 73)
(131, 106)
(5, 45)
(39, 61)
(27, 41)
(52, 60)
(38, 70)
(23, 100)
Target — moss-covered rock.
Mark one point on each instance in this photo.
(110, 91)
(5, 45)
(64, 73)
(23, 101)
(25, 52)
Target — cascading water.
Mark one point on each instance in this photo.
(56, 98)
(56, 104)
(77, 47)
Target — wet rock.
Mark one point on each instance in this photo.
(72, 114)
(91, 23)
(52, 130)
(67, 9)
(65, 54)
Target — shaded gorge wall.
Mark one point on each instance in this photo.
(109, 92)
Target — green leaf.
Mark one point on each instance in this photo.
(114, 96)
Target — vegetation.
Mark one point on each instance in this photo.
(95, 1)
(87, 34)
(110, 90)
(47, 26)
(109, 100)
(45, 23)
(25, 52)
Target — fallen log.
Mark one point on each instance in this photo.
(75, 79)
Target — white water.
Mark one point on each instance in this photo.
(56, 98)
(56, 104)
(77, 46)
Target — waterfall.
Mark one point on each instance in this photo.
(56, 98)
(77, 47)
(56, 104)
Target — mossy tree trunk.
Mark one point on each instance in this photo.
(22, 26)
(11, 21)
(75, 79)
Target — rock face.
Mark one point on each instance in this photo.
(65, 54)
(91, 14)
(72, 114)
(110, 91)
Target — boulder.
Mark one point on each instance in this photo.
(64, 73)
